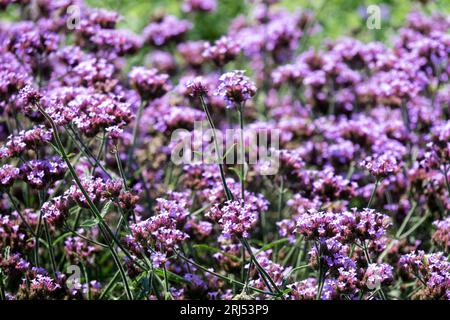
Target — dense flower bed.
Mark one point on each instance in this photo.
(93, 207)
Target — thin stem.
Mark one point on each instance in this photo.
(406, 220)
(119, 166)
(50, 248)
(166, 283)
(242, 285)
(20, 214)
(228, 193)
(243, 263)
(279, 210)
(2, 287)
(135, 133)
(374, 191)
(86, 151)
(100, 151)
(264, 275)
(247, 277)
(321, 282)
(446, 178)
(242, 147)
(415, 226)
(36, 240)
(321, 274)
(106, 232)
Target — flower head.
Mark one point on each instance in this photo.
(381, 166)
(149, 83)
(223, 51)
(196, 87)
(234, 218)
(235, 87)
(8, 174)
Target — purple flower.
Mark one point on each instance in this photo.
(43, 173)
(55, 210)
(160, 234)
(25, 140)
(196, 87)
(442, 234)
(192, 52)
(223, 51)
(78, 249)
(381, 166)
(120, 42)
(8, 174)
(235, 88)
(162, 60)
(432, 271)
(199, 5)
(167, 29)
(377, 275)
(14, 265)
(149, 83)
(234, 218)
(29, 96)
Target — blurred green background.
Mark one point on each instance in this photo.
(337, 17)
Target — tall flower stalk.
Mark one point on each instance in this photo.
(104, 229)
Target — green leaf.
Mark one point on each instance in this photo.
(171, 276)
(106, 208)
(215, 250)
(228, 151)
(237, 172)
(61, 237)
(89, 223)
(271, 245)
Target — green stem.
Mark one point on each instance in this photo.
(228, 193)
(321, 282)
(85, 150)
(374, 191)
(279, 210)
(242, 147)
(135, 133)
(321, 274)
(2, 287)
(50, 248)
(100, 150)
(415, 226)
(20, 214)
(119, 166)
(104, 229)
(242, 285)
(166, 284)
(447, 183)
(264, 275)
(406, 220)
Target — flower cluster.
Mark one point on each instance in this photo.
(149, 83)
(165, 30)
(159, 234)
(40, 174)
(381, 166)
(223, 51)
(235, 218)
(432, 272)
(25, 140)
(105, 144)
(199, 5)
(235, 87)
